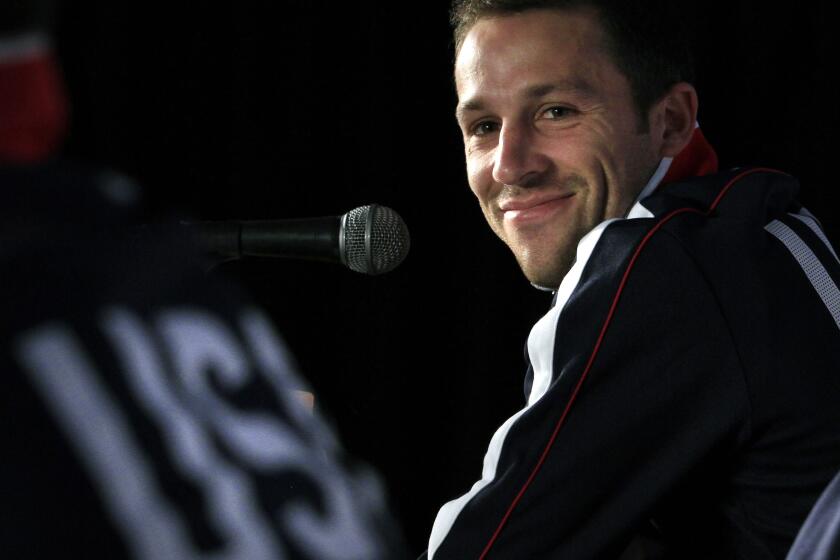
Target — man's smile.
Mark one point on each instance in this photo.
(534, 209)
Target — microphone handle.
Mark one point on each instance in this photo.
(304, 238)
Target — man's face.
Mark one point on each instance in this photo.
(551, 134)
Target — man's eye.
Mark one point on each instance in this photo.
(557, 112)
(484, 127)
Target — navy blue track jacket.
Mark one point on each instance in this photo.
(684, 385)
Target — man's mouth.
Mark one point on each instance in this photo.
(534, 209)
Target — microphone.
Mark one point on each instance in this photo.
(371, 239)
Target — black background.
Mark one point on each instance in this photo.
(260, 110)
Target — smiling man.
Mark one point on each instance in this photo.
(553, 140)
(682, 388)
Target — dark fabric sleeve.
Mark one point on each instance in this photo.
(661, 408)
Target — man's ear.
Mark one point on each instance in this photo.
(677, 116)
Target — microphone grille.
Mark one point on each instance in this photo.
(374, 239)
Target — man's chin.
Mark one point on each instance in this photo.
(544, 275)
(544, 264)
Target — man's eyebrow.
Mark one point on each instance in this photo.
(577, 87)
(468, 106)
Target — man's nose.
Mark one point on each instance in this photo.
(518, 160)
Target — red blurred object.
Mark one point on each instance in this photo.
(33, 102)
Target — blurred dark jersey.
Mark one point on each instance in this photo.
(149, 409)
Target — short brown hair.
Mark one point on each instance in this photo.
(650, 41)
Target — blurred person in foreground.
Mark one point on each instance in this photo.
(681, 393)
(148, 410)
